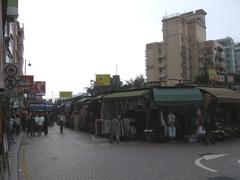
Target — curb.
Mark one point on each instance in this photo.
(18, 155)
(13, 162)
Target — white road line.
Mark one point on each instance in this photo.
(238, 161)
(208, 157)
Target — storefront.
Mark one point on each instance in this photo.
(178, 110)
(222, 111)
(132, 107)
(5, 140)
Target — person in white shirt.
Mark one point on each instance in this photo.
(36, 120)
(62, 120)
(40, 124)
(171, 128)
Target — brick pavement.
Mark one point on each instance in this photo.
(76, 156)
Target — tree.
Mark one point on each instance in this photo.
(95, 90)
(138, 82)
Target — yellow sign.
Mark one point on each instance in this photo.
(212, 74)
(103, 79)
(65, 94)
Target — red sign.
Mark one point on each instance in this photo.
(25, 81)
(39, 87)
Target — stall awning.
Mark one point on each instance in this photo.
(128, 94)
(222, 94)
(177, 96)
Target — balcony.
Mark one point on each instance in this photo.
(161, 56)
(163, 75)
(162, 65)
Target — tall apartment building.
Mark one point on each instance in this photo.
(237, 57)
(228, 46)
(210, 56)
(176, 58)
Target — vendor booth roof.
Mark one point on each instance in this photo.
(222, 94)
(83, 100)
(128, 94)
(177, 96)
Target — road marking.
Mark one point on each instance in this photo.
(25, 166)
(208, 157)
(238, 161)
(98, 139)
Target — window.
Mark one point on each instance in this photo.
(159, 51)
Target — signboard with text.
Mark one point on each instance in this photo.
(25, 81)
(103, 79)
(212, 74)
(65, 94)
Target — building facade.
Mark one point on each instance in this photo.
(228, 46)
(176, 58)
(237, 57)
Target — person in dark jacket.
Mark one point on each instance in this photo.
(45, 124)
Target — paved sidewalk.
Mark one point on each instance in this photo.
(13, 158)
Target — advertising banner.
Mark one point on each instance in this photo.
(220, 78)
(65, 94)
(212, 74)
(103, 79)
(39, 87)
(25, 81)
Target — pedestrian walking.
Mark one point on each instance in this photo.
(45, 124)
(61, 119)
(40, 124)
(115, 129)
(18, 124)
(33, 125)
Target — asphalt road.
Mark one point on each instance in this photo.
(81, 156)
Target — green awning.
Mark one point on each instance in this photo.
(222, 95)
(177, 96)
(128, 94)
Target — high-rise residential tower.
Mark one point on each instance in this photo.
(176, 58)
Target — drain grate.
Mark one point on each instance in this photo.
(221, 178)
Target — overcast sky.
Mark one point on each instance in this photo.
(68, 42)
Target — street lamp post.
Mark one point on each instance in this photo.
(25, 66)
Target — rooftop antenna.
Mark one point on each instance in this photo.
(116, 70)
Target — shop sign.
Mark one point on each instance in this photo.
(103, 79)
(65, 94)
(26, 81)
(212, 74)
(220, 78)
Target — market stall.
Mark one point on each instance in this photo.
(221, 108)
(179, 112)
(131, 107)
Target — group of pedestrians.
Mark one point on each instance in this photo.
(36, 124)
